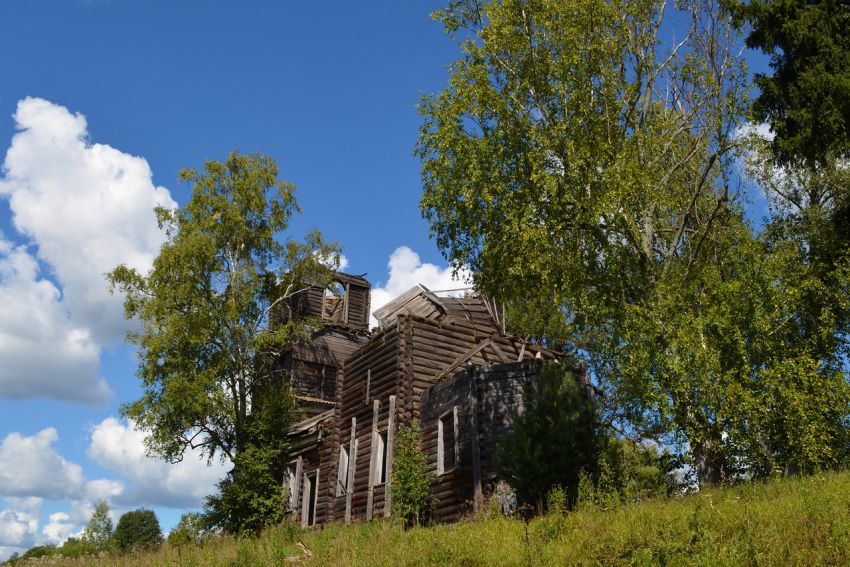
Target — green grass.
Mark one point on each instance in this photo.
(787, 522)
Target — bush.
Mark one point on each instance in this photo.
(138, 529)
(78, 547)
(411, 485)
(556, 437)
(190, 529)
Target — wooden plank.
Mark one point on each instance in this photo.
(390, 454)
(352, 460)
(477, 492)
(299, 469)
(368, 384)
(373, 457)
(463, 358)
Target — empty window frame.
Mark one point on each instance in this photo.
(379, 466)
(447, 442)
(342, 471)
(335, 303)
(309, 497)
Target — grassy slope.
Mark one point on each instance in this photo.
(788, 522)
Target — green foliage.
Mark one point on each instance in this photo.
(138, 530)
(205, 306)
(557, 436)
(557, 500)
(805, 99)
(411, 486)
(207, 337)
(98, 532)
(81, 547)
(596, 201)
(191, 529)
(250, 497)
(38, 551)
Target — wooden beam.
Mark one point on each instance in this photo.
(455, 436)
(499, 352)
(352, 460)
(477, 493)
(388, 493)
(463, 358)
(368, 385)
(305, 504)
(373, 458)
(299, 469)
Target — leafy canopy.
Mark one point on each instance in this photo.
(579, 163)
(205, 341)
(138, 529)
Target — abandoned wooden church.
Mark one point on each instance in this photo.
(444, 361)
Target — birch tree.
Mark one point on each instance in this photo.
(204, 310)
(579, 162)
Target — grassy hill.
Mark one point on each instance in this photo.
(786, 522)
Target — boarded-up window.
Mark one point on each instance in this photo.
(342, 472)
(447, 447)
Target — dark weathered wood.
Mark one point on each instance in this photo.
(352, 463)
(390, 456)
(475, 449)
(373, 457)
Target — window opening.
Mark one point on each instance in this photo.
(335, 303)
(447, 447)
(310, 494)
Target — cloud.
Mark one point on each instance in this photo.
(407, 270)
(42, 351)
(30, 467)
(17, 528)
(762, 130)
(85, 208)
(58, 528)
(118, 446)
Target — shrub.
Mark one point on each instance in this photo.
(411, 485)
(78, 547)
(138, 529)
(190, 529)
(556, 436)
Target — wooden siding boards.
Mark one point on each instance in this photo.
(406, 360)
(407, 368)
(495, 393)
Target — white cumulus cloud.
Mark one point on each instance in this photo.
(42, 351)
(118, 446)
(406, 270)
(31, 467)
(84, 208)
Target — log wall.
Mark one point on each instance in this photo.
(372, 373)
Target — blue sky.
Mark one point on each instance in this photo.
(101, 103)
(92, 88)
